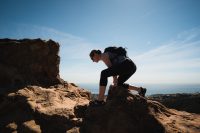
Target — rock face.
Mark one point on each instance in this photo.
(182, 102)
(28, 62)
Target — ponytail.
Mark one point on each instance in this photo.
(98, 51)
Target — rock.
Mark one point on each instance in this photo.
(31, 127)
(11, 127)
(126, 112)
(36, 109)
(182, 102)
(28, 62)
(73, 130)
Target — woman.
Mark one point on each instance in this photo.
(120, 67)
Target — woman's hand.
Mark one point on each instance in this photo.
(115, 80)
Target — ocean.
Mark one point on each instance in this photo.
(152, 88)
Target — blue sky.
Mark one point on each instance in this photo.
(162, 36)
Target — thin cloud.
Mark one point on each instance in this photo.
(71, 47)
(75, 64)
(175, 61)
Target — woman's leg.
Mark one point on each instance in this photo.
(112, 71)
(128, 69)
(123, 78)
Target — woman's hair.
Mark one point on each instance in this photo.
(94, 51)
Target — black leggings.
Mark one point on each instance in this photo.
(124, 70)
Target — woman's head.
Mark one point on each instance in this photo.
(95, 55)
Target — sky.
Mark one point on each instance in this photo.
(162, 37)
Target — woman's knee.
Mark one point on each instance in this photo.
(104, 73)
(125, 85)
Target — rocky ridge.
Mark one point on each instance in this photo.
(65, 108)
(180, 101)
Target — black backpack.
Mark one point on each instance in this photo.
(119, 51)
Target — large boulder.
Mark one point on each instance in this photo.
(35, 109)
(28, 62)
(125, 112)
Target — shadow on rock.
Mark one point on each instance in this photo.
(122, 113)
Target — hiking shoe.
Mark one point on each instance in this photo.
(142, 91)
(96, 103)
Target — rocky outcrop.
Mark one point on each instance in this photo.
(28, 62)
(182, 102)
(35, 109)
(65, 108)
(126, 112)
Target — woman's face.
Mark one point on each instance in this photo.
(96, 57)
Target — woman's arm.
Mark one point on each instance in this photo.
(115, 80)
